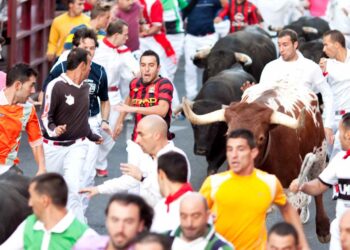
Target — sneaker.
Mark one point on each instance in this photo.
(101, 173)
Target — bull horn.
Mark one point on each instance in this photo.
(310, 30)
(286, 120)
(244, 58)
(202, 53)
(215, 116)
(275, 29)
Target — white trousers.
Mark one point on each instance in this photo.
(222, 28)
(167, 66)
(335, 235)
(108, 141)
(69, 162)
(192, 44)
(336, 147)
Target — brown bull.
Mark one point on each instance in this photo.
(287, 124)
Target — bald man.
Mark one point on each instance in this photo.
(194, 231)
(344, 227)
(141, 178)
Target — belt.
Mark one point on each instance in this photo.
(113, 88)
(341, 112)
(201, 35)
(62, 143)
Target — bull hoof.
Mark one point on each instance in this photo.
(324, 239)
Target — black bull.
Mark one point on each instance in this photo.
(13, 203)
(252, 42)
(210, 139)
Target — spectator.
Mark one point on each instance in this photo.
(65, 121)
(335, 68)
(241, 13)
(140, 175)
(62, 25)
(283, 236)
(127, 215)
(173, 185)
(121, 67)
(241, 217)
(16, 115)
(131, 12)
(152, 241)
(200, 33)
(51, 226)
(194, 231)
(344, 228)
(99, 107)
(99, 20)
(336, 173)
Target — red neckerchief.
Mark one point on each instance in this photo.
(184, 188)
(109, 44)
(346, 154)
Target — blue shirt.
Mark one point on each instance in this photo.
(97, 80)
(200, 19)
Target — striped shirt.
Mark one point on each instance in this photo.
(241, 15)
(148, 95)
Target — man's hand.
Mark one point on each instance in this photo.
(40, 171)
(217, 19)
(247, 85)
(99, 141)
(117, 130)
(329, 135)
(131, 170)
(105, 127)
(50, 57)
(90, 191)
(323, 64)
(60, 129)
(294, 186)
(125, 108)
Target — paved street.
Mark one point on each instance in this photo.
(184, 140)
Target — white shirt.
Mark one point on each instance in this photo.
(120, 65)
(16, 242)
(149, 188)
(304, 72)
(336, 17)
(339, 80)
(337, 172)
(198, 244)
(161, 214)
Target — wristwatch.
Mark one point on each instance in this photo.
(143, 176)
(105, 121)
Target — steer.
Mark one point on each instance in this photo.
(255, 51)
(222, 89)
(273, 114)
(13, 203)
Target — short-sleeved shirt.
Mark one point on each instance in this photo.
(148, 95)
(13, 120)
(337, 172)
(97, 80)
(239, 204)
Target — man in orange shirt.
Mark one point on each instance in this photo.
(16, 114)
(240, 197)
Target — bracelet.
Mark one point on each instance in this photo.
(107, 122)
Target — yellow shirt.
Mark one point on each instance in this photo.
(60, 28)
(240, 203)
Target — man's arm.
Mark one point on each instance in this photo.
(314, 187)
(38, 152)
(53, 40)
(120, 121)
(290, 215)
(161, 109)
(105, 109)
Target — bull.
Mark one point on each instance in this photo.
(13, 203)
(273, 114)
(256, 50)
(222, 89)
